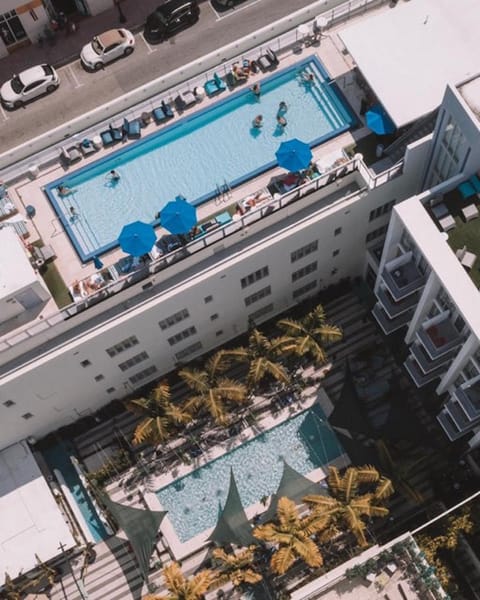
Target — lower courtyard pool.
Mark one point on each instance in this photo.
(306, 442)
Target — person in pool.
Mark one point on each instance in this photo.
(113, 176)
(307, 78)
(258, 122)
(63, 190)
(282, 109)
(256, 91)
(282, 121)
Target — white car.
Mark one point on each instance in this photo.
(29, 84)
(107, 46)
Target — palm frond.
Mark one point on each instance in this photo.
(161, 392)
(384, 489)
(334, 480)
(282, 560)
(367, 474)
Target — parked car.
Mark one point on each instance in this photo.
(169, 18)
(29, 84)
(107, 46)
(223, 4)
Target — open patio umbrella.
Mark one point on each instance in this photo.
(378, 120)
(178, 216)
(294, 155)
(137, 238)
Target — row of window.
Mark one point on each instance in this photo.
(266, 291)
(254, 277)
(138, 358)
(381, 210)
(376, 233)
(179, 316)
(181, 335)
(306, 270)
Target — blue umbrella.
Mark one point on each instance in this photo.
(294, 155)
(137, 238)
(378, 120)
(178, 216)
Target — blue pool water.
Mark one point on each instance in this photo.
(58, 457)
(305, 442)
(196, 154)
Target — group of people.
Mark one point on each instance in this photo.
(281, 119)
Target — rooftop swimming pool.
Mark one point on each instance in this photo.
(196, 155)
(305, 441)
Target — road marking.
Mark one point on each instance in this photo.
(74, 77)
(4, 114)
(232, 11)
(149, 48)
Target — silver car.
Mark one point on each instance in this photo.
(28, 85)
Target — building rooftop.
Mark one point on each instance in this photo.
(409, 54)
(32, 523)
(16, 271)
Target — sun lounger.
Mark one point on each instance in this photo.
(118, 133)
(184, 100)
(470, 212)
(132, 129)
(7, 208)
(87, 147)
(107, 138)
(267, 61)
(444, 218)
(467, 190)
(466, 258)
(159, 115)
(70, 155)
(77, 291)
(167, 109)
(215, 85)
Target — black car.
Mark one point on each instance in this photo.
(169, 18)
(224, 4)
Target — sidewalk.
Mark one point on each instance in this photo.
(67, 47)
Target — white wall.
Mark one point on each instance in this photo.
(33, 28)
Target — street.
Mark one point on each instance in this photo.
(81, 91)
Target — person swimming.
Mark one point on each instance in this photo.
(282, 109)
(113, 176)
(256, 90)
(258, 122)
(307, 78)
(281, 121)
(63, 190)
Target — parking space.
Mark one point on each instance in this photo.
(231, 11)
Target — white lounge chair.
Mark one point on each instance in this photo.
(466, 258)
(470, 212)
(70, 155)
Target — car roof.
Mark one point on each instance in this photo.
(32, 74)
(112, 36)
(172, 5)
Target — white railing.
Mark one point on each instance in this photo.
(279, 35)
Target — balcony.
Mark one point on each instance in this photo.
(419, 377)
(449, 426)
(439, 336)
(393, 308)
(402, 276)
(387, 324)
(426, 364)
(467, 397)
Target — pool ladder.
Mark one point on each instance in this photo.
(224, 192)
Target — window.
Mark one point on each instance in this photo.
(253, 277)
(266, 291)
(85, 363)
(99, 377)
(9, 403)
(181, 315)
(310, 268)
(304, 251)
(182, 335)
(121, 346)
(304, 289)
(143, 374)
(261, 312)
(208, 299)
(376, 233)
(27, 416)
(335, 252)
(470, 370)
(11, 28)
(219, 333)
(110, 390)
(381, 210)
(214, 317)
(188, 350)
(337, 231)
(138, 358)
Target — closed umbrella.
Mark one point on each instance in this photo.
(137, 238)
(178, 216)
(378, 120)
(294, 155)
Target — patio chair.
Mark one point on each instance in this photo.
(268, 61)
(132, 129)
(184, 100)
(466, 258)
(470, 212)
(167, 109)
(107, 137)
(87, 147)
(70, 155)
(467, 190)
(215, 85)
(159, 115)
(118, 133)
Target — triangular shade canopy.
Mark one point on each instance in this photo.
(292, 485)
(233, 526)
(141, 527)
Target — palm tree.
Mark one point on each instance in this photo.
(262, 357)
(236, 568)
(159, 415)
(358, 493)
(213, 390)
(309, 334)
(292, 535)
(181, 588)
(401, 471)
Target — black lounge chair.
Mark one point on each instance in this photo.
(159, 115)
(107, 137)
(167, 109)
(268, 61)
(132, 129)
(118, 133)
(70, 155)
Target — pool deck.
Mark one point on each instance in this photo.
(180, 549)
(46, 226)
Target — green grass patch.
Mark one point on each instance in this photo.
(55, 284)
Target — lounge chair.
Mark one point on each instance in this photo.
(215, 85)
(470, 212)
(184, 100)
(268, 61)
(467, 189)
(107, 138)
(159, 115)
(87, 147)
(466, 258)
(70, 155)
(118, 133)
(167, 109)
(132, 129)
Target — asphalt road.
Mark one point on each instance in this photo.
(81, 91)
